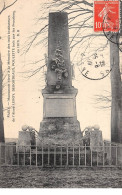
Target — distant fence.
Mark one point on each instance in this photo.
(61, 156)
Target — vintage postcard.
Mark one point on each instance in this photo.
(60, 94)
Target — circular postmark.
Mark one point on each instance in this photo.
(113, 35)
(96, 67)
(85, 72)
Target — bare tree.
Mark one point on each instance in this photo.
(103, 101)
(80, 14)
(3, 7)
(116, 93)
(80, 20)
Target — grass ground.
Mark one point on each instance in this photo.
(31, 177)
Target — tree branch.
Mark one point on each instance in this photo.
(5, 7)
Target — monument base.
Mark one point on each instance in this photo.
(59, 131)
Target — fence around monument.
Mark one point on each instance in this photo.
(109, 155)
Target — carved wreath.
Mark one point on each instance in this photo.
(58, 65)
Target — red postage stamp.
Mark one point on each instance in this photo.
(106, 16)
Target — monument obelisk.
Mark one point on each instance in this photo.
(59, 124)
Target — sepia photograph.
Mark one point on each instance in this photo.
(61, 94)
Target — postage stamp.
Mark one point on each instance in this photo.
(106, 16)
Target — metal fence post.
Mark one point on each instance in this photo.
(73, 155)
(79, 154)
(110, 155)
(116, 155)
(42, 157)
(24, 155)
(67, 154)
(85, 155)
(103, 156)
(18, 155)
(30, 156)
(0, 155)
(36, 157)
(5, 154)
(91, 157)
(48, 155)
(97, 158)
(61, 156)
(12, 155)
(55, 155)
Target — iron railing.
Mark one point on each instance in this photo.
(107, 155)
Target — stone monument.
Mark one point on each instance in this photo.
(59, 124)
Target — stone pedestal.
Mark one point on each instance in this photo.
(59, 131)
(59, 104)
(96, 141)
(24, 141)
(59, 125)
(24, 138)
